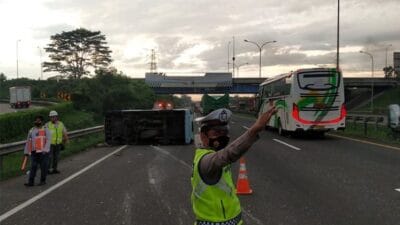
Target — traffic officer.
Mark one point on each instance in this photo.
(38, 147)
(59, 137)
(214, 200)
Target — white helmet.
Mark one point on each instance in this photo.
(216, 117)
(53, 113)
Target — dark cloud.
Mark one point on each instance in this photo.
(309, 25)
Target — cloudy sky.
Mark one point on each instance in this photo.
(192, 36)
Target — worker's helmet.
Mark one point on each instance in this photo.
(217, 118)
(53, 113)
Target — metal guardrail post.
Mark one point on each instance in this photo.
(365, 127)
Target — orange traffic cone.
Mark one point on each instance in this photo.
(243, 185)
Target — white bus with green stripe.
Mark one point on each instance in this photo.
(310, 100)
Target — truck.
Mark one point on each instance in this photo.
(210, 103)
(20, 96)
(394, 117)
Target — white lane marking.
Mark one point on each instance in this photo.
(398, 189)
(172, 156)
(365, 142)
(190, 167)
(233, 122)
(245, 127)
(54, 187)
(289, 145)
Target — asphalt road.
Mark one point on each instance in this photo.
(5, 108)
(295, 181)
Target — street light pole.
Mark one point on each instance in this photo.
(17, 56)
(260, 50)
(237, 68)
(41, 66)
(372, 80)
(337, 38)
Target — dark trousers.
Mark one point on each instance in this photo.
(38, 159)
(54, 156)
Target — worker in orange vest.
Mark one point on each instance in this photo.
(38, 147)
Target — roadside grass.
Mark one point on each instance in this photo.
(12, 162)
(375, 133)
(72, 120)
(381, 103)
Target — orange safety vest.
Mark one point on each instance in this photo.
(39, 141)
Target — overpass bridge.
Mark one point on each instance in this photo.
(219, 83)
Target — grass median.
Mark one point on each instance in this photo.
(12, 162)
(372, 132)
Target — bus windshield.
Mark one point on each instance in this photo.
(319, 81)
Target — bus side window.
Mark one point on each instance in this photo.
(267, 91)
(288, 85)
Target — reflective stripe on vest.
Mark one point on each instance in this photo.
(235, 221)
(216, 203)
(39, 141)
(56, 132)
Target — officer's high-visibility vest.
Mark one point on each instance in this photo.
(214, 204)
(56, 132)
(38, 141)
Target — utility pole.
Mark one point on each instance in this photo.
(386, 61)
(229, 43)
(17, 57)
(337, 38)
(153, 63)
(233, 57)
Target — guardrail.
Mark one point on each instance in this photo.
(9, 148)
(367, 119)
(372, 119)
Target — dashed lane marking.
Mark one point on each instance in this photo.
(252, 217)
(245, 127)
(289, 145)
(398, 189)
(54, 187)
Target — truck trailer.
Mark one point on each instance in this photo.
(20, 97)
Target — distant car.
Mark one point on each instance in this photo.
(394, 117)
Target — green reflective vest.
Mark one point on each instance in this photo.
(56, 132)
(213, 203)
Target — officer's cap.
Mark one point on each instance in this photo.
(219, 117)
